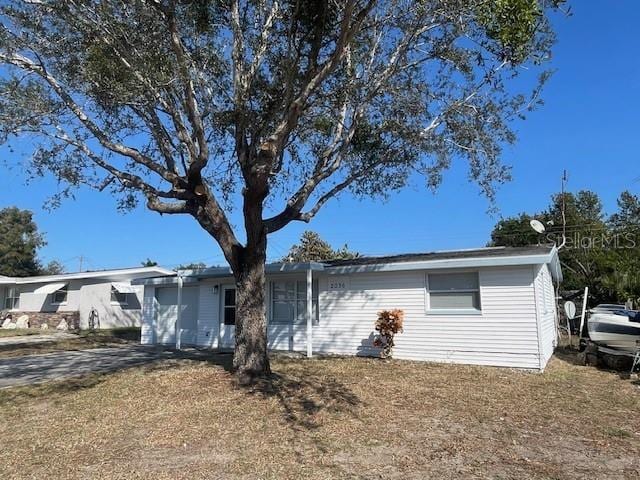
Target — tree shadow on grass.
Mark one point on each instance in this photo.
(306, 397)
(304, 394)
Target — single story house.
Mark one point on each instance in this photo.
(489, 306)
(103, 298)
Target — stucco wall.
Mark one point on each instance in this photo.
(83, 297)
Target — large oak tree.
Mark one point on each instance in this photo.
(271, 106)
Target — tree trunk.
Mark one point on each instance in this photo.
(250, 359)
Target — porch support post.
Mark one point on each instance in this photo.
(179, 313)
(309, 312)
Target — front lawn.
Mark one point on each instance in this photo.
(326, 418)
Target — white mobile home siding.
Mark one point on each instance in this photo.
(209, 315)
(511, 330)
(149, 307)
(504, 334)
(280, 337)
(547, 312)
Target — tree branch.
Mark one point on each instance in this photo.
(25, 63)
(191, 103)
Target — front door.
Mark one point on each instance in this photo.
(228, 317)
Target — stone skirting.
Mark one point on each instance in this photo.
(52, 319)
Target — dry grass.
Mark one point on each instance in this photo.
(82, 341)
(326, 418)
(15, 332)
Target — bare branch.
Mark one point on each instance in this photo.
(127, 179)
(263, 44)
(348, 30)
(193, 111)
(166, 207)
(25, 63)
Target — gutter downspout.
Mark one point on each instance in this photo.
(179, 313)
(309, 313)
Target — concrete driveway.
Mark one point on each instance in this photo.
(31, 369)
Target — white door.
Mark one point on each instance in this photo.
(228, 317)
(168, 314)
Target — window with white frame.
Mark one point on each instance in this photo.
(119, 298)
(289, 302)
(453, 291)
(12, 300)
(229, 306)
(59, 296)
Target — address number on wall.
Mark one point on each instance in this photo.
(338, 284)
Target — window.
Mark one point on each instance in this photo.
(454, 291)
(283, 302)
(119, 297)
(59, 296)
(12, 301)
(289, 302)
(229, 307)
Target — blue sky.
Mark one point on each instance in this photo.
(588, 125)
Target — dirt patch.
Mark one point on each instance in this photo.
(327, 418)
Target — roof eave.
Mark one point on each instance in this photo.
(191, 276)
(153, 271)
(512, 260)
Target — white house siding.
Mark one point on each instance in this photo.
(547, 312)
(208, 315)
(165, 315)
(504, 334)
(147, 330)
(280, 337)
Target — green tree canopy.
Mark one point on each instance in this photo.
(192, 266)
(627, 218)
(19, 243)
(514, 232)
(601, 252)
(623, 278)
(54, 267)
(312, 248)
(149, 263)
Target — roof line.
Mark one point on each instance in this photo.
(81, 275)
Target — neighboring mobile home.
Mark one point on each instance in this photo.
(105, 298)
(490, 306)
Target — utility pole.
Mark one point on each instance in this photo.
(564, 212)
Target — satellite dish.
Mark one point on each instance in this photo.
(537, 226)
(570, 309)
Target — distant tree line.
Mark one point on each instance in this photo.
(20, 241)
(312, 248)
(602, 251)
